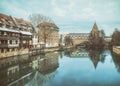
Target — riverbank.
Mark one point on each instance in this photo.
(48, 49)
(33, 51)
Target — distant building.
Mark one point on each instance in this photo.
(48, 34)
(108, 39)
(97, 37)
(95, 31)
(79, 37)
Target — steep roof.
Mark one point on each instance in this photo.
(95, 27)
(9, 20)
(22, 21)
(6, 19)
(48, 24)
(3, 16)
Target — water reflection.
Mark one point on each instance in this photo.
(46, 69)
(75, 67)
(116, 59)
(96, 56)
(22, 70)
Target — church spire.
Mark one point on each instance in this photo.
(95, 27)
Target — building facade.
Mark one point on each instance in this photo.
(48, 34)
(97, 37)
(15, 36)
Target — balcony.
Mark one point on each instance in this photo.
(13, 45)
(8, 45)
(9, 38)
(26, 38)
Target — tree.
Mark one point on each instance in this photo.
(38, 18)
(68, 40)
(116, 37)
(96, 40)
(102, 33)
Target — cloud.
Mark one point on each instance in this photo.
(68, 13)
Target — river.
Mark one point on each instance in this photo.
(76, 67)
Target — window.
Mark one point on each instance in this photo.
(8, 50)
(5, 33)
(2, 50)
(16, 42)
(10, 41)
(12, 34)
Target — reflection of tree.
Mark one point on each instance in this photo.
(116, 59)
(61, 54)
(69, 52)
(96, 56)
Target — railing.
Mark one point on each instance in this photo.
(8, 45)
(13, 45)
(9, 37)
(30, 38)
(3, 45)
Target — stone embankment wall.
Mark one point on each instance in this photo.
(31, 52)
(14, 53)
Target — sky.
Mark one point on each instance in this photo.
(70, 16)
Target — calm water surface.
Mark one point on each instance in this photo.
(69, 68)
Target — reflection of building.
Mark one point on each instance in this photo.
(80, 54)
(21, 71)
(95, 57)
(48, 33)
(49, 63)
(16, 71)
(95, 61)
(79, 37)
(116, 59)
